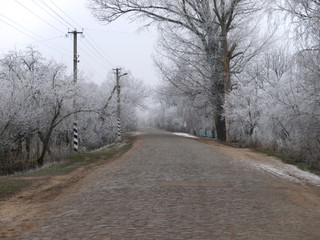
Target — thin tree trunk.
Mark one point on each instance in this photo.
(28, 143)
(45, 139)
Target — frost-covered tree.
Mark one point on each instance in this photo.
(176, 112)
(99, 127)
(276, 105)
(36, 94)
(254, 95)
(37, 105)
(305, 15)
(133, 97)
(213, 24)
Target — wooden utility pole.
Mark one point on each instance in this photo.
(119, 131)
(75, 76)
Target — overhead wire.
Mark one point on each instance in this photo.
(45, 41)
(97, 50)
(57, 14)
(96, 60)
(17, 29)
(50, 14)
(29, 33)
(88, 64)
(100, 31)
(95, 55)
(92, 49)
(36, 15)
(94, 46)
(64, 13)
(49, 24)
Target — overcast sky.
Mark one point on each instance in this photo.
(44, 24)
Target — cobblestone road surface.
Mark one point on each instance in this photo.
(169, 187)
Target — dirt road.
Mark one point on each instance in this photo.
(170, 187)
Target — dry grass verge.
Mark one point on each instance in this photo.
(13, 184)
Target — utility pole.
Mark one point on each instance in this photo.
(118, 75)
(75, 76)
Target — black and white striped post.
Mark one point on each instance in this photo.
(119, 131)
(75, 137)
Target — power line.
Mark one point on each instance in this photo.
(94, 46)
(57, 14)
(94, 58)
(67, 26)
(93, 74)
(94, 52)
(92, 43)
(36, 15)
(17, 29)
(44, 41)
(100, 50)
(65, 13)
(27, 32)
(35, 36)
(97, 52)
(100, 31)
(12, 21)
(90, 56)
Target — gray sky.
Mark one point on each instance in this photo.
(103, 47)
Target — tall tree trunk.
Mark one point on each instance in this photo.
(219, 118)
(226, 55)
(221, 128)
(215, 56)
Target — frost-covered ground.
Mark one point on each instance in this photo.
(265, 163)
(290, 172)
(271, 165)
(136, 133)
(185, 135)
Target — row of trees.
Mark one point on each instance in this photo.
(249, 70)
(201, 38)
(37, 108)
(277, 100)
